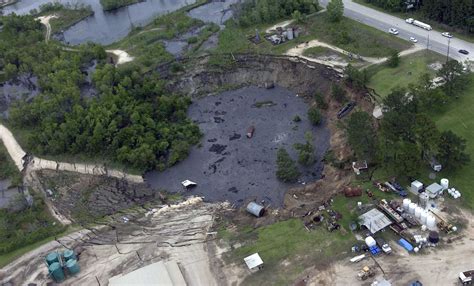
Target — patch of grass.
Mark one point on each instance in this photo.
(459, 118)
(411, 67)
(109, 5)
(66, 17)
(287, 248)
(266, 103)
(319, 52)
(419, 16)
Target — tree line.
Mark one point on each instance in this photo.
(133, 119)
(408, 138)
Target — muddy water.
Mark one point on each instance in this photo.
(105, 27)
(228, 165)
(216, 11)
(22, 88)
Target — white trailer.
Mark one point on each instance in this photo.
(422, 25)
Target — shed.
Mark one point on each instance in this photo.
(434, 190)
(416, 186)
(253, 261)
(374, 220)
(359, 166)
(377, 113)
(188, 184)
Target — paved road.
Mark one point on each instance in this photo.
(383, 21)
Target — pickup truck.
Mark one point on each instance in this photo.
(383, 245)
(395, 187)
(466, 277)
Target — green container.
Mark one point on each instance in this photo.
(72, 266)
(56, 272)
(52, 257)
(68, 255)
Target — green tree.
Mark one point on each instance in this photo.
(338, 93)
(314, 115)
(394, 60)
(305, 151)
(362, 136)
(297, 17)
(286, 167)
(454, 76)
(335, 10)
(320, 101)
(356, 78)
(452, 151)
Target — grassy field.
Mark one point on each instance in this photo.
(459, 118)
(384, 78)
(287, 248)
(418, 15)
(347, 34)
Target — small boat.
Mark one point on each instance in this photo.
(250, 131)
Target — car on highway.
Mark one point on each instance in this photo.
(393, 31)
(464, 52)
(413, 40)
(447, 35)
(410, 20)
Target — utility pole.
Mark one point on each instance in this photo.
(447, 55)
(428, 43)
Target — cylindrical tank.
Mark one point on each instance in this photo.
(52, 257)
(416, 249)
(56, 272)
(423, 217)
(69, 254)
(255, 209)
(424, 200)
(289, 33)
(444, 183)
(423, 227)
(406, 203)
(370, 241)
(431, 222)
(418, 211)
(433, 237)
(72, 266)
(411, 208)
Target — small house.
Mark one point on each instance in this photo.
(359, 166)
(434, 190)
(416, 186)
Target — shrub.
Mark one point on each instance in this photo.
(338, 93)
(314, 116)
(286, 167)
(296, 118)
(320, 101)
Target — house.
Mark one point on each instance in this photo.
(416, 186)
(434, 190)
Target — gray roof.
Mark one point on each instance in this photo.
(159, 273)
(375, 220)
(434, 188)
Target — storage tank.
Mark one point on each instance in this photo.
(423, 217)
(424, 198)
(370, 241)
(431, 222)
(255, 209)
(52, 257)
(72, 266)
(411, 208)
(69, 254)
(445, 183)
(289, 33)
(418, 211)
(433, 237)
(56, 272)
(406, 203)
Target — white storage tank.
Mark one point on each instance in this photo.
(444, 183)
(370, 241)
(423, 217)
(424, 198)
(411, 208)
(431, 222)
(406, 203)
(418, 211)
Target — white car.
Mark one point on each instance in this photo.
(447, 35)
(393, 31)
(410, 20)
(413, 40)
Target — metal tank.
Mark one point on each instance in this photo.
(444, 184)
(431, 222)
(56, 272)
(69, 254)
(406, 204)
(72, 266)
(418, 211)
(52, 257)
(255, 209)
(370, 241)
(411, 208)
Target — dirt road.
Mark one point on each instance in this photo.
(122, 56)
(45, 21)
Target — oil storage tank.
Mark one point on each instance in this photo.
(255, 209)
(72, 266)
(52, 257)
(433, 237)
(56, 272)
(69, 254)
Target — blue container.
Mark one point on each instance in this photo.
(405, 244)
(52, 258)
(72, 266)
(68, 255)
(56, 272)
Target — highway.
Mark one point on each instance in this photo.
(383, 21)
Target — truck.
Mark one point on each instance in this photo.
(466, 277)
(418, 24)
(365, 273)
(384, 245)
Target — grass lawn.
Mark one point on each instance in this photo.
(287, 248)
(459, 118)
(418, 15)
(384, 78)
(347, 34)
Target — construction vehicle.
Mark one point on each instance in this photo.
(365, 273)
(442, 223)
(466, 277)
